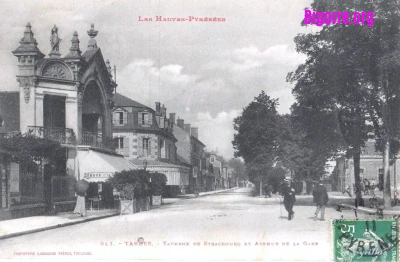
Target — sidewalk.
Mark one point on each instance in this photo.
(28, 225)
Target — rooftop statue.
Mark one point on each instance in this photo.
(55, 41)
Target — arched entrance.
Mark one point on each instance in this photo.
(93, 115)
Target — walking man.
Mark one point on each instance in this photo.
(289, 198)
(321, 198)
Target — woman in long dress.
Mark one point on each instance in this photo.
(80, 206)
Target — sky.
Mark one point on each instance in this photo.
(205, 72)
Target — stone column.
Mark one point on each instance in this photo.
(39, 121)
(71, 115)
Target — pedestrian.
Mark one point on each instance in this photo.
(267, 192)
(289, 198)
(321, 198)
(264, 188)
(367, 186)
(372, 190)
(270, 190)
(80, 208)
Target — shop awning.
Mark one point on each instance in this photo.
(95, 166)
(177, 175)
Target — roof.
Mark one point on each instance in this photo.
(121, 100)
(188, 134)
(197, 140)
(9, 111)
(89, 54)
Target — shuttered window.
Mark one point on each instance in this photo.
(120, 118)
(145, 118)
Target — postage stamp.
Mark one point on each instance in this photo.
(365, 240)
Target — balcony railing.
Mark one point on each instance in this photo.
(59, 134)
(97, 140)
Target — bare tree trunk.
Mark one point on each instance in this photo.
(357, 179)
(260, 185)
(387, 200)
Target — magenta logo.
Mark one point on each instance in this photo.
(321, 18)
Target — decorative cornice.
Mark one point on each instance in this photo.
(39, 96)
(70, 100)
(26, 82)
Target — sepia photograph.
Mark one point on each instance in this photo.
(182, 130)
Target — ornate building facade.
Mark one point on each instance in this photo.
(67, 99)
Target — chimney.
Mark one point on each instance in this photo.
(172, 118)
(163, 111)
(187, 128)
(195, 132)
(181, 123)
(158, 104)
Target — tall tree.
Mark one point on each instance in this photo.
(348, 74)
(257, 135)
(299, 152)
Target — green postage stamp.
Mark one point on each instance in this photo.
(365, 240)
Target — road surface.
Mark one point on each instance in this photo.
(225, 226)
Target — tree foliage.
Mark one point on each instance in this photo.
(27, 149)
(258, 131)
(266, 138)
(349, 81)
(158, 183)
(300, 153)
(131, 183)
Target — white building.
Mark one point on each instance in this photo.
(67, 99)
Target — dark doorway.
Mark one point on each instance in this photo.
(92, 109)
(90, 122)
(54, 111)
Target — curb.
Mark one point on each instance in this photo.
(55, 226)
(206, 194)
(214, 193)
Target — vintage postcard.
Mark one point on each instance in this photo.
(208, 130)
